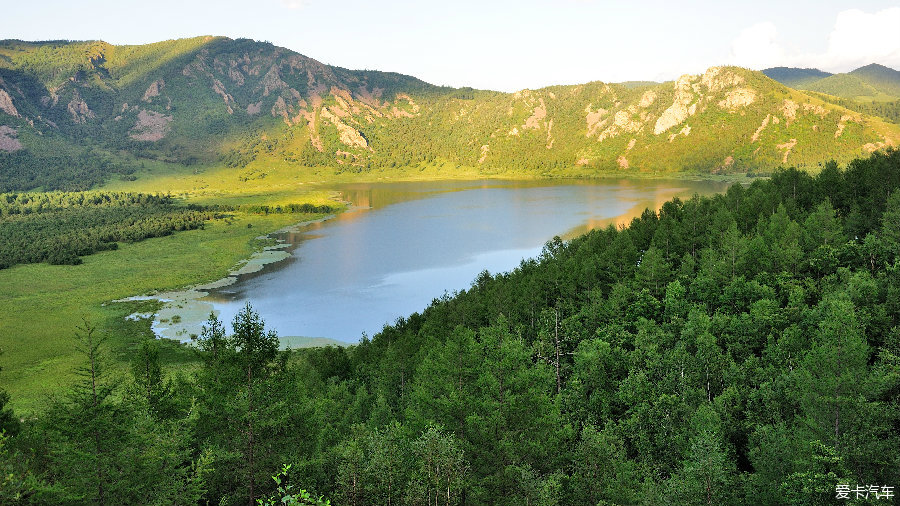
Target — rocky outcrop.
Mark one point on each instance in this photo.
(738, 98)
(762, 127)
(594, 119)
(219, 88)
(717, 79)
(153, 90)
(349, 136)
(485, 149)
(681, 107)
(9, 141)
(647, 99)
(150, 127)
(624, 122)
(79, 109)
(787, 147)
(6, 104)
(789, 110)
(538, 114)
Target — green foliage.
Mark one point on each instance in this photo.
(738, 349)
(9, 424)
(872, 82)
(58, 228)
(78, 171)
(94, 448)
(18, 484)
(284, 494)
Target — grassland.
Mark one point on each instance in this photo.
(41, 305)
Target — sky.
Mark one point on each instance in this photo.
(498, 44)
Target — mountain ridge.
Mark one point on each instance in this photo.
(252, 105)
(872, 82)
(795, 77)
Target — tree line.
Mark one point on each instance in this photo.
(61, 227)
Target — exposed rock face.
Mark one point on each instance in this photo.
(787, 147)
(872, 146)
(236, 76)
(402, 113)
(685, 131)
(151, 126)
(737, 98)
(8, 139)
(153, 90)
(280, 108)
(816, 109)
(370, 98)
(717, 79)
(538, 115)
(765, 123)
(219, 88)
(272, 81)
(6, 104)
(79, 109)
(347, 112)
(348, 135)
(647, 99)
(484, 153)
(727, 164)
(679, 110)
(594, 123)
(789, 109)
(622, 162)
(50, 101)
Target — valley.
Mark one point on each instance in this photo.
(603, 293)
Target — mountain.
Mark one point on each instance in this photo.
(884, 79)
(795, 77)
(75, 113)
(873, 82)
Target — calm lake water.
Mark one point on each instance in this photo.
(405, 244)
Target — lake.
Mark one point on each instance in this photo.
(405, 243)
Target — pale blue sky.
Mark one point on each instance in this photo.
(503, 45)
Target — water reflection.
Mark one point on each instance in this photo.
(405, 243)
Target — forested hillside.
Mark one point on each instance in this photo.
(796, 78)
(739, 349)
(73, 114)
(873, 90)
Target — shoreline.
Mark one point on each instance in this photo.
(182, 314)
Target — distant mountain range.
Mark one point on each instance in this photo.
(870, 83)
(74, 113)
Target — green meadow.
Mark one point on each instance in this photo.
(41, 305)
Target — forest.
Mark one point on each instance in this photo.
(72, 171)
(61, 227)
(737, 349)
